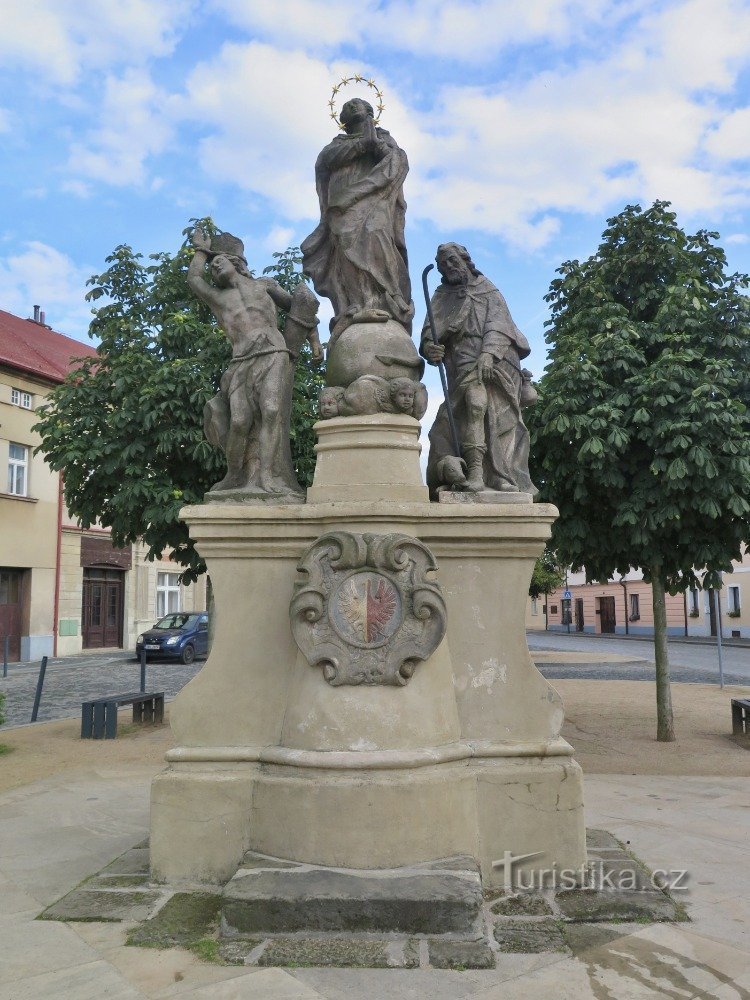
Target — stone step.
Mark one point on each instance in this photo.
(273, 895)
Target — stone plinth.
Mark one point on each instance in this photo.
(464, 759)
(368, 458)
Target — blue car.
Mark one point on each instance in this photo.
(179, 636)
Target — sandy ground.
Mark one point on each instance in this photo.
(611, 724)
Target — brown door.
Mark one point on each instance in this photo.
(11, 598)
(102, 609)
(579, 614)
(607, 616)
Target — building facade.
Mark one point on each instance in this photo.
(616, 607)
(63, 590)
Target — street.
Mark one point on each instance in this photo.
(691, 663)
(73, 679)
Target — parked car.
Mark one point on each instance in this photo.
(178, 636)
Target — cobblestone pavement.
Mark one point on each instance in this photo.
(691, 663)
(73, 679)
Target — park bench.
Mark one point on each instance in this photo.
(99, 716)
(741, 716)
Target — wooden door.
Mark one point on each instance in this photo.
(579, 614)
(102, 608)
(11, 599)
(607, 614)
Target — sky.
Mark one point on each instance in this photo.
(527, 123)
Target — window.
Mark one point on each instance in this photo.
(18, 467)
(167, 593)
(733, 600)
(20, 398)
(534, 606)
(566, 615)
(635, 607)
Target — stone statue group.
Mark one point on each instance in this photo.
(357, 258)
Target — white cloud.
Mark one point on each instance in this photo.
(266, 112)
(629, 119)
(731, 139)
(278, 238)
(448, 28)
(133, 127)
(738, 239)
(42, 275)
(60, 38)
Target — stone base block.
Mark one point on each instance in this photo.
(268, 895)
(395, 816)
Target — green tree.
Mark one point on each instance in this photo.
(548, 574)
(126, 428)
(642, 434)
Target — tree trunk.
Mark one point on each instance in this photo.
(664, 715)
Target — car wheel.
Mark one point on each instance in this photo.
(188, 654)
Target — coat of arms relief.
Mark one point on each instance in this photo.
(368, 609)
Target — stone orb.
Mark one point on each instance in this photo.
(383, 349)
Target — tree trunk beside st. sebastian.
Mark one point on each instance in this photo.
(664, 715)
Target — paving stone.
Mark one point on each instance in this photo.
(529, 936)
(90, 904)
(344, 952)
(71, 680)
(455, 954)
(522, 904)
(413, 900)
(185, 917)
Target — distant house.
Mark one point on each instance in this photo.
(62, 589)
(623, 606)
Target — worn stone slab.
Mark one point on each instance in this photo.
(521, 904)
(529, 936)
(133, 862)
(595, 905)
(452, 953)
(339, 952)
(90, 904)
(186, 917)
(601, 838)
(417, 900)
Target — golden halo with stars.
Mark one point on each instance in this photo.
(357, 78)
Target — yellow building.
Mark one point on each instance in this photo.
(62, 589)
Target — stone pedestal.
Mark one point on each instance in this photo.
(464, 759)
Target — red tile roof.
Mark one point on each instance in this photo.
(37, 350)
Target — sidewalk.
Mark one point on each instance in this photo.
(690, 640)
(77, 806)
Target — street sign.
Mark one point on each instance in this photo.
(567, 595)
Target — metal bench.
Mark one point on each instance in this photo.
(99, 716)
(741, 716)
